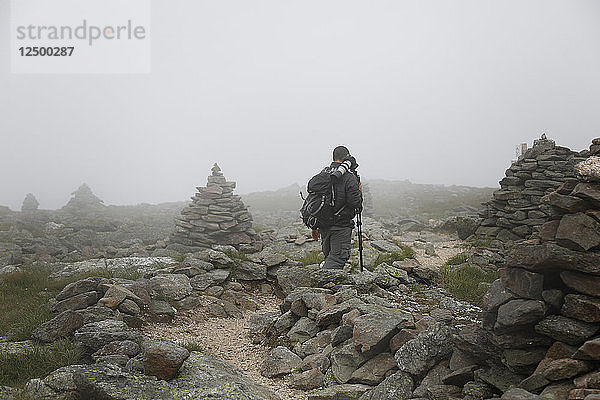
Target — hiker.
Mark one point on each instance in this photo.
(338, 186)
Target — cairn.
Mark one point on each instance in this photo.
(84, 201)
(215, 216)
(516, 210)
(30, 203)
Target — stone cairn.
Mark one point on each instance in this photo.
(30, 203)
(516, 211)
(368, 210)
(83, 201)
(543, 315)
(215, 216)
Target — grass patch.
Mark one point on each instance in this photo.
(236, 255)
(478, 241)
(463, 281)
(16, 370)
(389, 257)
(179, 257)
(313, 257)
(193, 346)
(458, 259)
(24, 301)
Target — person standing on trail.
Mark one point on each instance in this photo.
(334, 199)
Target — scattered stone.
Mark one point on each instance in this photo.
(172, 286)
(339, 392)
(374, 371)
(565, 329)
(63, 325)
(307, 380)
(417, 356)
(397, 386)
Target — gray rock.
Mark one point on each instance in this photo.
(200, 377)
(304, 329)
(433, 378)
(578, 232)
(339, 392)
(499, 377)
(398, 386)
(79, 287)
(590, 350)
(519, 394)
(259, 323)
(95, 335)
(525, 284)
(163, 359)
(582, 283)
(172, 286)
(385, 246)
(417, 356)
(77, 302)
(307, 380)
(518, 313)
(280, 361)
(374, 370)
(63, 325)
(125, 347)
(566, 330)
(161, 311)
(344, 361)
(285, 321)
(581, 307)
(372, 332)
(215, 277)
(249, 271)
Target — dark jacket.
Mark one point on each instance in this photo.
(348, 196)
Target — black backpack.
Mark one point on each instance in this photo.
(317, 210)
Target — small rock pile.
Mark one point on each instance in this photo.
(543, 315)
(215, 216)
(516, 210)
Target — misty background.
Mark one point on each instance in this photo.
(431, 91)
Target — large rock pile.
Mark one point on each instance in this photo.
(215, 216)
(84, 201)
(516, 210)
(544, 312)
(30, 203)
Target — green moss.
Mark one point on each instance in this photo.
(458, 259)
(179, 257)
(389, 257)
(478, 241)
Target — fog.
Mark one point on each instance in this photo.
(430, 91)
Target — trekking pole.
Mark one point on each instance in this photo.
(360, 240)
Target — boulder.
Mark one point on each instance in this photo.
(163, 359)
(525, 284)
(79, 287)
(214, 277)
(172, 286)
(519, 394)
(496, 296)
(398, 386)
(95, 335)
(374, 370)
(565, 329)
(417, 356)
(63, 325)
(125, 347)
(518, 313)
(582, 283)
(280, 361)
(590, 350)
(345, 359)
(372, 332)
(304, 329)
(564, 368)
(578, 232)
(77, 302)
(307, 380)
(581, 307)
(339, 392)
(250, 271)
(588, 191)
(550, 257)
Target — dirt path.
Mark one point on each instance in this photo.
(228, 339)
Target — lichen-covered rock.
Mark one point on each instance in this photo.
(565, 329)
(345, 359)
(79, 287)
(417, 356)
(171, 286)
(339, 392)
(280, 361)
(308, 380)
(397, 386)
(372, 332)
(373, 371)
(58, 327)
(95, 335)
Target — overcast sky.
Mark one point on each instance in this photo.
(431, 91)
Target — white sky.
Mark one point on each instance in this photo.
(435, 91)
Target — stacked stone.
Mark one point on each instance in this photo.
(516, 210)
(544, 312)
(84, 200)
(368, 210)
(215, 216)
(30, 203)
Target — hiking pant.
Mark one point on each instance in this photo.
(336, 246)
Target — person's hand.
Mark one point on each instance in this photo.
(360, 186)
(316, 234)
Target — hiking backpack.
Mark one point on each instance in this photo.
(318, 208)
